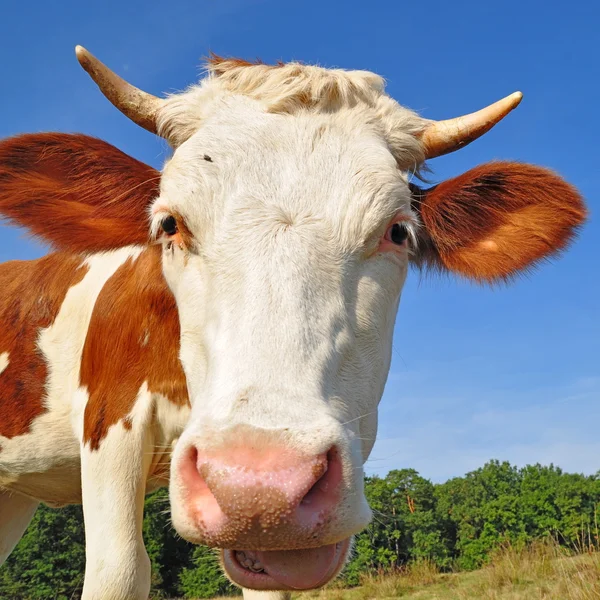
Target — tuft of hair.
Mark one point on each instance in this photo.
(290, 88)
(75, 192)
(220, 64)
(497, 220)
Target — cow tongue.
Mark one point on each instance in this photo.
(298, 569)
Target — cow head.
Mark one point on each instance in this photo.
(288, 221)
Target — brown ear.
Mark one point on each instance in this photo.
(496, 220)
(76, 192)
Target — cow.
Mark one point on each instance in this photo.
(224, 326)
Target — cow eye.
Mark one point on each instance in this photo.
(397, 233)
(169, 225)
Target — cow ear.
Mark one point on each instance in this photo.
(496, 220)
(75, 192)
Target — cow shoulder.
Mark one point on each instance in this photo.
(133, 341)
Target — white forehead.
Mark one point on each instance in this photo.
(301, 142)
(304, 165)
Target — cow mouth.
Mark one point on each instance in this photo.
(285, 569)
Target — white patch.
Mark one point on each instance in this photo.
(170, 420)
(256, 595)
(79, 402)
(141, 412)
(114, 484)
(3, 361)
(51, 449)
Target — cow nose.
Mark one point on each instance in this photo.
(276, 492)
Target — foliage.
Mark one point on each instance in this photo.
(49, 561)
(417, 527)
(204, 578)
(169, 554)
(499, 503)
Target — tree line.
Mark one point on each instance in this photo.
(456, 524)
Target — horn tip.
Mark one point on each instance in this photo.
(82, 54)
(516, 98)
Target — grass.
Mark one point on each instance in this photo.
(537, 572)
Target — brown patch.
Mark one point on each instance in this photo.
(496, 220)
(135, 302)
(76, 192)
(31, 294)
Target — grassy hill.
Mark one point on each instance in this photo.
(539, 572)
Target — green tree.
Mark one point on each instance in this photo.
(169, 553)
(405, 525)
(49, 562)
(484, 509)
(204, 578)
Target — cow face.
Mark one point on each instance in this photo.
(287, 235)
(286, 245)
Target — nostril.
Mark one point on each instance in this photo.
(193, 456)
(189, 470)
(322, 497)
(320, 485)
(198, 491)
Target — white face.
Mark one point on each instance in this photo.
(287, 287)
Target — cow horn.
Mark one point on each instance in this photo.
(442, 137)
(139, 106)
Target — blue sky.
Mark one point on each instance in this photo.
(511, 373)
